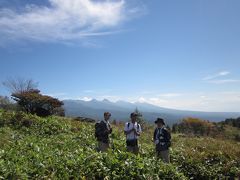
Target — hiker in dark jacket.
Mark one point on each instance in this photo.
(162, 140)
(102, 131)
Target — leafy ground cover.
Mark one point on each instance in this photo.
(60, 148)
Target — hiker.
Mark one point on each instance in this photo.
(162, 140)
(102, 131)
(132, 131)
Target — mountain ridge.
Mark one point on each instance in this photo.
(121, 109)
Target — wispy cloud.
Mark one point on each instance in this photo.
(224, 81)
(218, 78)
(219, 74)
(64, 20)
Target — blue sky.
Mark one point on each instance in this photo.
(177, 54)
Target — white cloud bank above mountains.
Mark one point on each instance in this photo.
(63, 20)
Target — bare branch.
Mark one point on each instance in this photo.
(19, 85)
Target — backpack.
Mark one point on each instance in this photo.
(97, 129)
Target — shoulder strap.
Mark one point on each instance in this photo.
(138, 126)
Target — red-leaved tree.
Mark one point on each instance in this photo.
(33, 102)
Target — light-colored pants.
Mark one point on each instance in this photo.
(133, 149)
(164, 155)
(103, 147)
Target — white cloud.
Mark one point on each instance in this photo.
(219, 74)
(85, 99)
(217, 101)
(157, 101)
(224, 81)
(63, 20)
(142, 100)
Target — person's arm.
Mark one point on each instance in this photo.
(167, 135)
(104, 129)
(126, 130)
(110, 131)
(155, 138)
(138, 131)
(154, 135)
(108, 128)
(168, 138)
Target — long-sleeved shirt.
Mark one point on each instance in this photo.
(129, 126)
(162, 137)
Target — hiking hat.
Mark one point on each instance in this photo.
(160, 120)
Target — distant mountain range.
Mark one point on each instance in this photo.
(121, 110)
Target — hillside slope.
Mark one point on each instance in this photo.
(54, 148)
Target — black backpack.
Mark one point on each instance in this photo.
(98, 129)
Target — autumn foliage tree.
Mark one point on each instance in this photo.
(33, 102)
(194, 126)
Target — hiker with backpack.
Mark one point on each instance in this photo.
(132, 131)
(162, 140)
(102, 131)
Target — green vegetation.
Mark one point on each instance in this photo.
(140, 118)
(55, 147)
(233, 122)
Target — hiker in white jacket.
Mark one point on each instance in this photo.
(132, 131)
